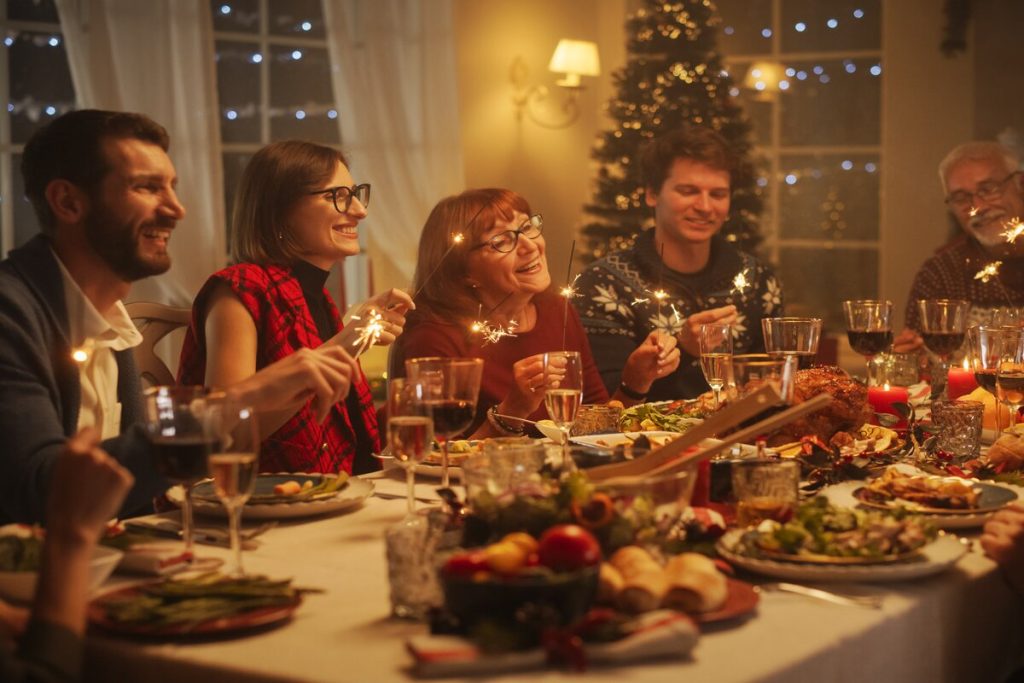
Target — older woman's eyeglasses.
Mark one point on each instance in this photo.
(342, 196)
(506, 241)
(988, 190)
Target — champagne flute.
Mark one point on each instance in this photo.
(943, 328)
(563, 381)
(869, 330)
(452, 386)
(233, 464)
(716, 356)
(174, 424)
(410, 430)
(792, 337)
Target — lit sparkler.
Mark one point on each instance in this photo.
(640, 300)
(973, 211)
(675, 313)
(739, 283)
(990, 271)
(569, 292)
(1014, 229)
(492, 334)
(457, 238)
(369, 334)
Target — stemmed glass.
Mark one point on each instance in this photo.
(233, 463)
(451, 389)
(715, 341)
(1010, 372)
(869, 329)
(985, 344)
(792, 337)
(943, 328)
(174, 424)
(563, 382)
(410, 430)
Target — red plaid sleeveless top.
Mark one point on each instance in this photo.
(274, 299)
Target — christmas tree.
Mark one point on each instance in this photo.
(673, 77)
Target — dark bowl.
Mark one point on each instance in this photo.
(568, 595)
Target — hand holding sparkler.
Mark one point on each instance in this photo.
(657, 357)
(690, 335)
(527, 392)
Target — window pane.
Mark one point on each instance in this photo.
(815, 26)
(746, 26)
(32, 10)
(832, 102)
(757, 107)
(301, 99)
(849, 274)
(25, 224)
(234, 164)
(296, 17)
(40, 82)
(829, 197)
(238, 90)
(242, 16)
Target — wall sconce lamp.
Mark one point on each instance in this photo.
(573, 58)
(766, 79)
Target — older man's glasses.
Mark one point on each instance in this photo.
(506, 241)
(342, 196)
(988, 190)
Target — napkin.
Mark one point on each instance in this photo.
(155, 559)
(658, 634)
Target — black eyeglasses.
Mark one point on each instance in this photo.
(506, 241)
(988, 190)
(342, 196)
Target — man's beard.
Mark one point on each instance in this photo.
(988, 227)
(118, 245)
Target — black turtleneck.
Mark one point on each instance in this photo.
(311, 280)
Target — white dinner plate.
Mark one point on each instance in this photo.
(937, 556)
(351, 496)
(621, 438)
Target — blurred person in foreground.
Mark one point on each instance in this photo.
(1003, 540)
(688, 176)
(297, 214)
(985, 196)
(103, 189)
(87, 488)
(500, 273)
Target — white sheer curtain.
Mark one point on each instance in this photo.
(156, 57)
(393, 71)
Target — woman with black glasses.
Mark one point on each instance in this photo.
(296, 214)
(484, 291)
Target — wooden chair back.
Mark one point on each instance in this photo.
(155, 321)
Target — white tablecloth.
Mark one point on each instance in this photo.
(963, 625)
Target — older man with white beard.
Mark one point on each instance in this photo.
(985, 194)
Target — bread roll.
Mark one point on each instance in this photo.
(643, 580)
(609, 584)
(1008, 448)
(694, 584)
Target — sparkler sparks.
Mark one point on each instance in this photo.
(570, 291)
(1014, 229)
(973, 211)
(675, 313)
(640, 300)
(988, 272)
(739, 283)
(369, 334)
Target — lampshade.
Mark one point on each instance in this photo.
(575, 58)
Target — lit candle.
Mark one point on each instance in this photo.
(882, 399)
(960, 382)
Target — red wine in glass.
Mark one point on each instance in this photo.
(943, 343)
(451, 416)
(184, 458)
(986, 379)
(869, 343)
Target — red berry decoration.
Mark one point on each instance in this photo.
(568, 547)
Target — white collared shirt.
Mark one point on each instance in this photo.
(94, 338)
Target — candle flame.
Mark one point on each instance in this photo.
(966, 364)
(990, 271)
(886, 387)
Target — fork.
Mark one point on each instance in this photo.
(870, 601)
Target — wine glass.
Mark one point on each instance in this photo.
(410, 430)
(792, 337)
(1010, 371)
(943, 327)
(869, 329)
(984, 351)
(174, 424)
(716, 356)
(451, 389)
(233, 463)
(563, 382)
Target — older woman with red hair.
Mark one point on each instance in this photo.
(500, 271)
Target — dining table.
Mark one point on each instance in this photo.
(964, 624)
